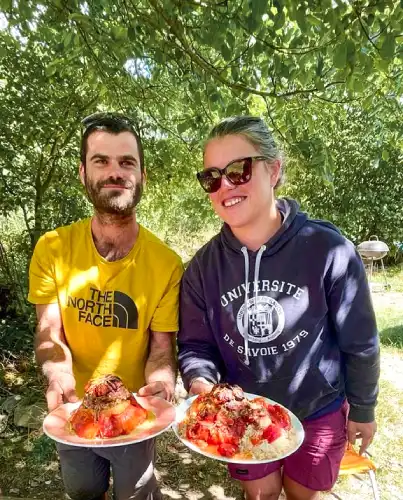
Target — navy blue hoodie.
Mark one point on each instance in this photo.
(293, 321)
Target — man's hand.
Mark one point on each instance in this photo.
(61, 389)
(199, 385)
(158, 388)
(363, 431)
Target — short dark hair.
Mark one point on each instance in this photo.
(113, 123)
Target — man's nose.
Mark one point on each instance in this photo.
(115, 170)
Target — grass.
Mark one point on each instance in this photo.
(389, 308)
(29, 466)
(394, 277)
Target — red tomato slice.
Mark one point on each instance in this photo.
(108, 426)
(279, 416)
(271, 433)
(221, 435)
(130, 418)
(84, 424)
(227, 450)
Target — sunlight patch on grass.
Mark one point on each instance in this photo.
(218, 493)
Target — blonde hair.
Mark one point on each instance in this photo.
(254, 130)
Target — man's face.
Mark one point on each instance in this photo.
(112, 175)
(240, 206)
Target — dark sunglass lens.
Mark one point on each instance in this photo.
(210, 181)
(240, 171)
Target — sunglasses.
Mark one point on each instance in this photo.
(237, 172)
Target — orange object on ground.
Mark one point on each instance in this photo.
(354, 463)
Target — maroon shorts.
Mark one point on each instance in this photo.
(316, 463)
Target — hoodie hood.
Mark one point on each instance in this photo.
(293, 220)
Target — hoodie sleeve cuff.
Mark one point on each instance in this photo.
(361, 415)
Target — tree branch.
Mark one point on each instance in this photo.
(197, 59)
(364, 30)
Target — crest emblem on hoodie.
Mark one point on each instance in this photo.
(262, 321)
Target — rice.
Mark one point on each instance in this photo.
(281, 446)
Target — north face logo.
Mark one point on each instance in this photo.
(106, 309)
(125, 313)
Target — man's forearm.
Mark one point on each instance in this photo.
(161, 367)
(51, 353)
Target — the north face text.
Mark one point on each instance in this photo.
(107, 309)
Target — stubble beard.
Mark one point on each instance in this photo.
(113, 203)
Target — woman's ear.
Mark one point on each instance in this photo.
(275, 169)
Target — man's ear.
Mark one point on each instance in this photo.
(81, 171)
(144, 177)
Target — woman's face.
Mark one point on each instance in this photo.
(240, 206)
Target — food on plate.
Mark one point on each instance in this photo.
(226, 423)
(108, 410)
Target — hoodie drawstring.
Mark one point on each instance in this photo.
(245, 315)
(256, 279)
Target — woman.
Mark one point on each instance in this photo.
(279, 304)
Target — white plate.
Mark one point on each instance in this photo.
(56, 425)
(295, 423)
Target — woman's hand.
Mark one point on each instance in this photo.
(200, 385)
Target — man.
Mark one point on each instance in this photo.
(279, 304)
(106, 295)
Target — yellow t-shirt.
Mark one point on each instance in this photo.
(107, 308)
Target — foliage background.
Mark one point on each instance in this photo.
(326, 76)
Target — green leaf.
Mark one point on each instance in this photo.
(355, 83)
(6, 5)
(226, 52)
(132, 33)
(330, 17)
(368, 102)
(370, 19)
(301, 19)
(230, 39)
(314, 21)
(68, 39)
(319, 66)
(215, 96)
(252, 23)
(197, 98)
(319, 84)
(279, 20)
(81, 18)
(119, 32)
(76, 40)
(385, 155)
(340, 56)
(51, 68)
(182, 127)
(350, 52)
(259, 7)
(235, 73)
(232, 109)
(387, 50)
